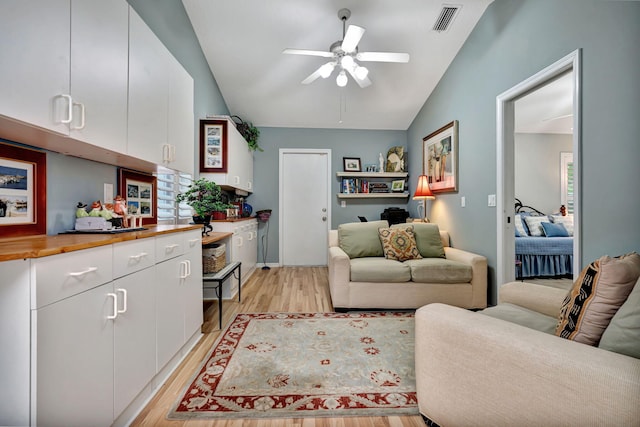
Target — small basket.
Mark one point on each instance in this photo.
(213, 257)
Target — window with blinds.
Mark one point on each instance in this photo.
(169, 185)
(566, 181)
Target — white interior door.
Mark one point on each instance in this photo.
(304, 206)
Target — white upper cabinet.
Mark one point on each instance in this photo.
(99, 72)
(180, 121)
(35, 53)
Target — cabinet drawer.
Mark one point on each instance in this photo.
(129, 257)
(64, 275)
(169, 246)
(192, 240)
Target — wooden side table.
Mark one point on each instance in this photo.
(215, 281)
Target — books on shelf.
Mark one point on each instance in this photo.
(358, 185)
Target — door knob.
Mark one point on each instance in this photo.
(324, 218)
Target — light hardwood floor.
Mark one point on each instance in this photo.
(287, 289)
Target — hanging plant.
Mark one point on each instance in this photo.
(249, 132)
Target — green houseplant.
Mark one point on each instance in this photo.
(204, 197)
(249, 132)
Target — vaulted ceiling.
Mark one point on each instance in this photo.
(243, 41)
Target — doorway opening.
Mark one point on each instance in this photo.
(505, 114)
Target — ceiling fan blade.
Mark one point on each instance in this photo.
(361, 82)
(313, 76)
(321, 53)
(352, 38)
(383, 56)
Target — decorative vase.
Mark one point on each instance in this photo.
(218, 215)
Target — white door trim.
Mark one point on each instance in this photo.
(282, 153)
(505, 271)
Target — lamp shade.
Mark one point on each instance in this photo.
(422, 190)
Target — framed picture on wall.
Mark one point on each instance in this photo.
(213, 146)
(23, 191)
(440, 158)
(397, 185)
(139, 191)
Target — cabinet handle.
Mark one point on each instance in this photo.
(69, 108)
(236, 179)
(172, 153)
(185, 269)
(250, 235)
(193, 242)
(170, 248)
(82, 116)
(82, 273)
(115, 306)
(140, 255)
(165, 153)
(124, 300)
(250, 185)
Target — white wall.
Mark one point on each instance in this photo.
(537, 169)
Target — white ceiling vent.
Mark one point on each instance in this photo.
(446, 17)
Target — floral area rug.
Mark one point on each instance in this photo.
(294, 365)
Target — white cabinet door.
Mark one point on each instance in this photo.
(99, 72)
(73, 366)
(192, 296)
(148, 92)
(35, 53)
(15, 342)
(134, 336)
(180, 119)
(169, 311)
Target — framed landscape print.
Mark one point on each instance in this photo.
(440, 158)
(23, 191)
(213, 146)
(351, 164)
(139, 191)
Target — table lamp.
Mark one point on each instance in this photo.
(423, 192)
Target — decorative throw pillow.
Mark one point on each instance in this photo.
(554, 230)
(534, 223)
(399, 243)
(602, 287)
(623, 333)
(360, 239)
(567, 221)
(427, 237)
(520, 226)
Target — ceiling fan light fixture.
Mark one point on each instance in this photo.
(347, 61)
(361, 72)
(326, 70)
(341, 80)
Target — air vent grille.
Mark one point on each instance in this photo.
(446, 17)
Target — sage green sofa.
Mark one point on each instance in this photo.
(361, 277)
(504, 366)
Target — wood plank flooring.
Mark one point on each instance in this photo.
(287, 289)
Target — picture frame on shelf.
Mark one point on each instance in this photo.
(213, 146)
(23, 191)
(440, 158)
(397, 186)
(139, 191)
(352, 164)
(371, 168)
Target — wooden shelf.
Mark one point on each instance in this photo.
(372, 174)
(372, 195)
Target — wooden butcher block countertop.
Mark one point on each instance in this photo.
(43, 245)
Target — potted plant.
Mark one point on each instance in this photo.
(205, 198)
(249, 132)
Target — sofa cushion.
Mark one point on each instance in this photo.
(522, 316)
(399, 243)
(623, 333)
(438, 270)
(427, 239)
(600, 290)
(379, 270)
(360, 239)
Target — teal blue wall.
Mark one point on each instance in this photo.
(513, 41)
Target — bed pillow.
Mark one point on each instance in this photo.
(522, 232)
(567, 221)
(534, 223)
(360, 239)
(602, 287)
(554, 230)
(399, 243)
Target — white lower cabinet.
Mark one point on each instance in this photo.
(89, 331)
(243, 247)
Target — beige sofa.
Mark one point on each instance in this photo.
(367, 282)
(476, 369)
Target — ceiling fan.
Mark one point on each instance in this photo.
(344, 54)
